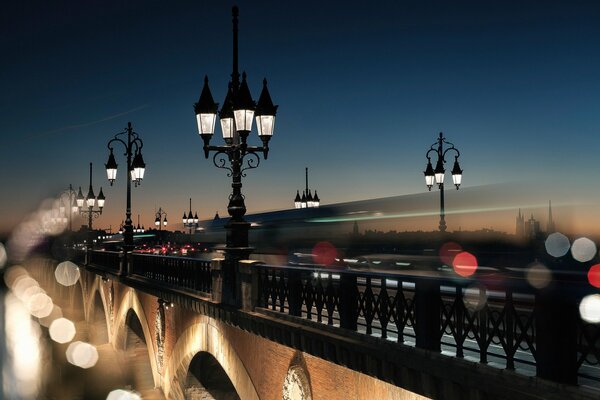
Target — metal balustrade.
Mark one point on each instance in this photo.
(488, 321)
(107, 260)
(497, 320)
(186, 273)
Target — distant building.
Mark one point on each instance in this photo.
(530, 229)
(520, 231)
(550, 228)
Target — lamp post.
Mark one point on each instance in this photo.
(307, 200)
(159, 221)
(67, 200)
(235, 155)
(135, 173)
(89, 201)
(139, 229)
(437, 176)
(190, 221)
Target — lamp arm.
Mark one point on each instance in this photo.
(451, 148)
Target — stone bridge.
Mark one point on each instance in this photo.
(291, 341)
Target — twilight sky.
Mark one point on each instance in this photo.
(363, 89)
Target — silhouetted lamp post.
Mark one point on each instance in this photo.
(161, 218)
(86, 204)
(68, 201)
(135, 173)
(307, 200)
(236, 156)
(436, 176)
(190, 221)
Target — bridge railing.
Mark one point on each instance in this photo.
(106, 260)
(187, 273)
(491, 319)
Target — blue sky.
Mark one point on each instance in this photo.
(363, 90)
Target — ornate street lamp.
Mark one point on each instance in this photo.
(135, 173)
(190, 221)
(437, 176)
(307, 200)
(236, 156)
(89, 202)
(68, 205)
(161, 218)
(139, 229)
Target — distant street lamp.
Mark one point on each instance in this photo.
(190, 221)
(236, 116)
(307, 200)
(86, 204)
(139, 229)
(437, 176)
(159, 221)
(68, 205)
(135, 173)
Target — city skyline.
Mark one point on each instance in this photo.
(360, 102)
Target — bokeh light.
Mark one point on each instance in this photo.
(24, 287)
(55, 314)
(538, 275)
(40, 305)
(593, 275)
(3, 256)
(557, 244)
(12, 273)
(67, 273)
(23, 345)
(583, 249)
(121, 394)
(464, 264)
(82, 354)
(62, 330)
(475, 297)
(324, 253)
(589, 308)
(448, 251)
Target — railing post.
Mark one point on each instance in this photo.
(556, 333)
(248, 273)
(348, 301)
(294, 284)
(216, 272)
(428, 314)
(125, 263)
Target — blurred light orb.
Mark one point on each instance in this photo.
(82, 354)
(583, 249)
(475, 297)
(464, 264)
(324, 253)
(538, 276)
(593, 275)
(55, 314)
(448, 251)
(25, 286)
(121, 394)
(589, 308)
(40, 305)
(62, 330)
(12, 273)
(3, 256)
(557, 244)
(67, 273)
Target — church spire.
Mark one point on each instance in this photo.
(551, 227)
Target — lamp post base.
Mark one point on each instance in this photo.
(237, 249)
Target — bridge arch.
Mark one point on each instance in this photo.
(97, 314)
(296, 385)
(130, 304)
(206, 337)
